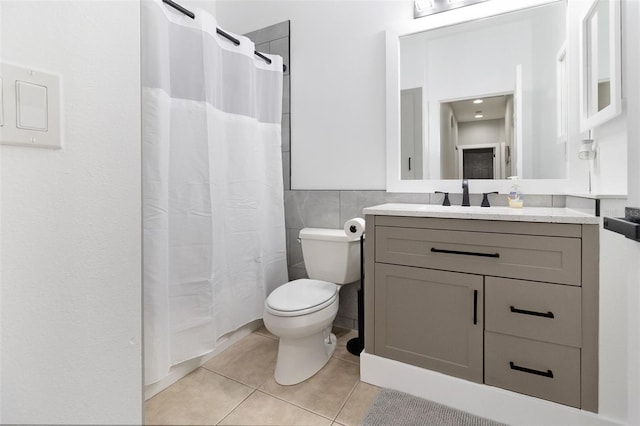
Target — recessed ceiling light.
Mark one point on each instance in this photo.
(478, 101)
(478, 116)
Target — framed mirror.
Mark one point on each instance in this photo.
(600, 64)
(473, 94)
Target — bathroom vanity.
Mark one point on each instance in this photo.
(497, 296)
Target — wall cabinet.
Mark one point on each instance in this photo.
(508, 304)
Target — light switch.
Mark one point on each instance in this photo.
(31, 110)
(31, 106)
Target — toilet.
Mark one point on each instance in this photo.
(301, 312)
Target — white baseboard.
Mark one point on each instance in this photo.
(179, 371)
(482, 400)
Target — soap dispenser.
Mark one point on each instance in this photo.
(515, 194)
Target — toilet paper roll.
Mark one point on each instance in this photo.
(354, 227)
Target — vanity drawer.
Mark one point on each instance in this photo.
(548, 312)
(540, 369)
(538, 258)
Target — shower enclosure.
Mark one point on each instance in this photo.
(213, 213)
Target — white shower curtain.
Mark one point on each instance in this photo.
(213, 211)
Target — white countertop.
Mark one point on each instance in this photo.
(524, 214)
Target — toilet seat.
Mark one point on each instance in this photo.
(301, 297)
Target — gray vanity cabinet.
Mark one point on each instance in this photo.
(509, 304)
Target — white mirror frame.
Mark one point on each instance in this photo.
(452, 17)
(614, 108)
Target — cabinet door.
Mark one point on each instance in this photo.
(431, 319)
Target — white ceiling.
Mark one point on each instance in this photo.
(491, 108)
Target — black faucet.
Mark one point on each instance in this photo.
(485, 199)
(465, 193)
(446, 201)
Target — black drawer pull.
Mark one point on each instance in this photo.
(547, 373)
(534, 313)
(466, 253)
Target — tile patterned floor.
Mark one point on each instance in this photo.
(237, 388)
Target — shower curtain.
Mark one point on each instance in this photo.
(213, 210)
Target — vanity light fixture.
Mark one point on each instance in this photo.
(478, 101)
(429, 7)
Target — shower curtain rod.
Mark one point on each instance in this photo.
(234, 40)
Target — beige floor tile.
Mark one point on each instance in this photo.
(358, 404)
(341, 346)
(201, 398)
(324, 393)
(263, 409)
(251, 361)
(266, 333)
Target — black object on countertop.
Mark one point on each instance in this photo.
(485, 199)
(465, 193)
(446, 201)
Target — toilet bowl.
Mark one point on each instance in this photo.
(301, 312)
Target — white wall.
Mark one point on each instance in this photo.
(481, 132)
(337, 84)
(630, 250)
(71, 246)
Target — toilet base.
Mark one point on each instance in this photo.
(299, 359)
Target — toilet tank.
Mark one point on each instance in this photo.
(330, 255)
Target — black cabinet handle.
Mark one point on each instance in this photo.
(409, 163)
(475, 307)
(534, 313)
(547, 373)
(465, 253)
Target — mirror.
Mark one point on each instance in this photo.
(600, 64)
(479, 99)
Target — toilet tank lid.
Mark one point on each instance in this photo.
(325, 234)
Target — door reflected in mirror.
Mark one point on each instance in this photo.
(509, 60)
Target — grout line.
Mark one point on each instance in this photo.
(231, 378)
(347, 399)
(294, 404)
(236, 407)
(340, 209)
(345, 360)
